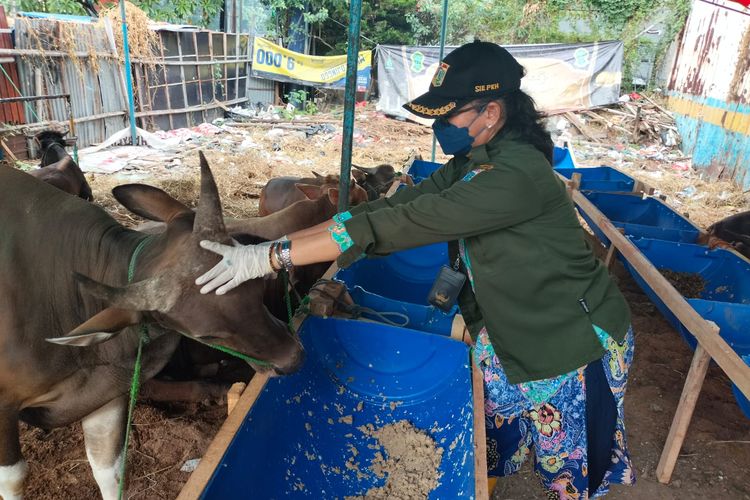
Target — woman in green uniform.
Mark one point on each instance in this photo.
(551, 330)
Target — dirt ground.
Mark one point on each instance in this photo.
(716, 455)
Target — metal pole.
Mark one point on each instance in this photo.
(443, 29)
(128, 75)
(352, 55)
(72, 128)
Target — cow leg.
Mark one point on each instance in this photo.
(13, 467)
(104, 435)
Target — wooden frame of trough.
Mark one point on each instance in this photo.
(199, 479)
(710, 344)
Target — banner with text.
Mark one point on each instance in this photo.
(560, 77)
(274, 62)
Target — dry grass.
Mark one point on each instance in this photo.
(142, 41)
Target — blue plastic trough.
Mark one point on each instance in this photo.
(725, 300)
(561, 158)
(641, 218)
(600, 179)
(405, 276)
(423, 318)
(297, 438)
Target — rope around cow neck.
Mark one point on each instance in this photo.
(143, 339)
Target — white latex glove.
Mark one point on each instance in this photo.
(239, 264)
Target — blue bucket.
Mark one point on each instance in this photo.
(423, 318)
(405, 276)
(641, 218)
(600, 179)
(299, 435)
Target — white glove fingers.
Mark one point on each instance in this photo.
(219, 280)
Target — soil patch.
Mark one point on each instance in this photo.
(690, 285)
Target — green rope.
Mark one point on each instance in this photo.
(28, 106)
(135, 383)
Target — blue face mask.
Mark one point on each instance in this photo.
(454, 140)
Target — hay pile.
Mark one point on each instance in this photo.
(142, 41)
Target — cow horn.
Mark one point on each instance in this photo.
(363, 169)
(208, 218)
(143, 295)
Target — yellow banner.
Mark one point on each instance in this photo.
(274, 62)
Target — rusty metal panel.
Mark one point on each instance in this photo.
(709, 89)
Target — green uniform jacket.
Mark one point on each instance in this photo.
(538, 286)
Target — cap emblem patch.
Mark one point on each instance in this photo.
(437, 80)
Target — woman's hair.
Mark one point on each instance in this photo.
(522, 117)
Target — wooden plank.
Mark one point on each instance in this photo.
(198, 74)
(215, 452)
(610, 256)
(683, 414)
(480, 436)
(166, 80)
(458, 327)
(580, 126)
(704, 331)
(188, 116)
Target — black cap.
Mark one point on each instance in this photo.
(472, 71)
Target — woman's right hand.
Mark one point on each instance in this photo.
(239, 263)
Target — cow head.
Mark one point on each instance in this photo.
(165, 292)
(330, 190)
(375, 180)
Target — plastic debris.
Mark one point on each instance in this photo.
(190, 465)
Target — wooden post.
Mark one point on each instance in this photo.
(183, 84)
(481, 488)
(637, 125)
(683, 414)
(610, 256)
(166, 77)
(233, 395)
(198, 75)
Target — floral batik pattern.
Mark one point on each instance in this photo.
(547, 419)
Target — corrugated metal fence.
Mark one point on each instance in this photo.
(709, 89)
(196, 76)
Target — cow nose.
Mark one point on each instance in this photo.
(292, 364)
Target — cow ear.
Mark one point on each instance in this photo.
(333, 196)
(100, 328)
(312, 192)
(149, 202)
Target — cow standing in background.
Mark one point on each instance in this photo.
(58, 168)
(74, 290)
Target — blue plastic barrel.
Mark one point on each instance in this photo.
(406, 276)
(561, 158)
(299, 435)
(641, 217)
(420, 169)
(600, 179)
(420, 317)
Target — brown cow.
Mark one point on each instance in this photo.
(281, 192)
(76, 283)
(66, 176)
